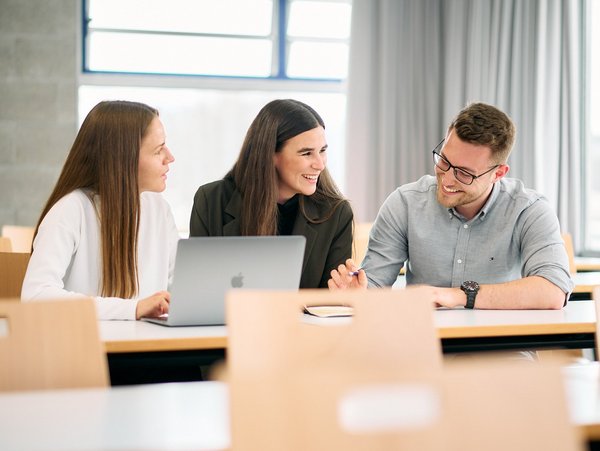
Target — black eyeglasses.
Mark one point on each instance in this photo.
(464, 177)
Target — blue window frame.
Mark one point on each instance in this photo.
(264, 39)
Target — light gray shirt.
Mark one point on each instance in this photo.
(516, 234)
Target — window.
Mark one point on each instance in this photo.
(148, 51)
(592, 189)
(303, 39)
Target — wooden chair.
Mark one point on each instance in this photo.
(5, 244)
(270, 340)
(360, 241)
(13, 266)
(469, 405)
(20, 236)
(596, 299)
(50, 345)
(516, 406)
(568, 239)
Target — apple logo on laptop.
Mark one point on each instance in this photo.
(237, 281)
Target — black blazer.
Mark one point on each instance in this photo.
(216, 212)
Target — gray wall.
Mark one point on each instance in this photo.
(38, 101)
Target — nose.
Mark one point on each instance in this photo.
(169, 158)
(319, 161)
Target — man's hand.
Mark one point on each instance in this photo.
(347, 276)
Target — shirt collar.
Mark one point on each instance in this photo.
(486, 207)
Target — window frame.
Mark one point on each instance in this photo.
(276, 81)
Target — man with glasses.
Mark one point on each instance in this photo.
(478, 238)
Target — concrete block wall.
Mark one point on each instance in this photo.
(38, 101)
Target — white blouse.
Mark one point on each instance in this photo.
(67, 261)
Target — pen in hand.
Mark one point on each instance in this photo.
(354, 273)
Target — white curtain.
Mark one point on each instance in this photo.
(414, 64)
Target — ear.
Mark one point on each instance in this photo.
(501, 171)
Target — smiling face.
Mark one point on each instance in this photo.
(155, 157)
(475, 159)
(299, 163)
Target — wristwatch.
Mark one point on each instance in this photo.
(471, 289)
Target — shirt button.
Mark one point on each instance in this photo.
(459, 261)
(466, 226)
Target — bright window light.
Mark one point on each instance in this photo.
(318, 60)
(150, 53)
(235, 17)
(319, 19)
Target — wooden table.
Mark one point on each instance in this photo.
(144, 417)
(140, 352)
(586, 281)
(584, 264)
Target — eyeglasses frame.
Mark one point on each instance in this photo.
(454, 168)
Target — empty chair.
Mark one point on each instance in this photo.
(5, 244)
(469, 405)
(596, 298)
(21, 237)
(50, 344)
(270, 342)
(13, 266)
(360, 241)
(568, 239)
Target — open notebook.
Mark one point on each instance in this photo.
(207, 267)
(329, 311)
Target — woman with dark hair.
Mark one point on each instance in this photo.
(279, 185)
(105, 232)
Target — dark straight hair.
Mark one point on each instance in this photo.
(254, 172)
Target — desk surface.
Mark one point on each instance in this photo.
(140, 336)
(585, 281)
(193, 415)
(578, 317)
(587, 263)
(159, 416)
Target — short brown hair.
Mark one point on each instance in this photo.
(486, 125)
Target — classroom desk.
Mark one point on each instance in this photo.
(137, 350)
(585, 281)
(192, 415)
(583, 264)
(150, 417)
(140, 352)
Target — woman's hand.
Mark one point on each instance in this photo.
(153, 306)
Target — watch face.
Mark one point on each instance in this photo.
(470, 286)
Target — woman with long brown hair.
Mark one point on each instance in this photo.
(105, 232)
(280, 185)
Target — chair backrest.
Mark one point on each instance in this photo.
(50, 345)
(5, 244)
(568, 239)
(467, 406)
(20, 236)
(507, 405)
(384, 322)
(596, 299)
(360, 241)
(270, 339)
(13, 266)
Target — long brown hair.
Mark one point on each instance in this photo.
(254, 171)
(104, 161)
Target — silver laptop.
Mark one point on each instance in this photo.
(207, 267)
